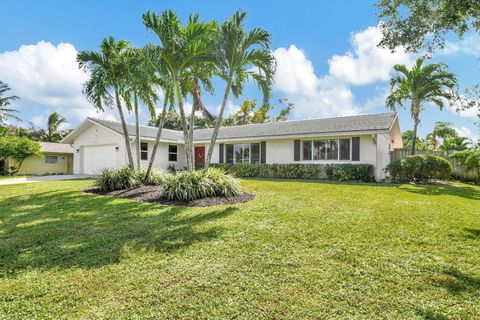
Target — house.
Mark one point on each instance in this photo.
(56, 158)
(368, 139)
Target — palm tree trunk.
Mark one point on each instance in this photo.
(184, 126)
(218, 122)
(196, 97)
(125, 130)
(137, 129)
(414, 138)
(157, 138)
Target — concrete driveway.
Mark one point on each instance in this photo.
(15, 180)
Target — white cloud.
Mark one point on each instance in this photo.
(39, 121)
(468, 45)
(230, 108)
(466, 132)
(367, 63)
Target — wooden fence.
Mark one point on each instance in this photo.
(459, 171)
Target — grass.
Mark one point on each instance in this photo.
(299, 250)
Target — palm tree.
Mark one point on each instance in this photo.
(455, 143)
(420, 84)
(5, 112)
(140, 85)
(442, 130)
(183, 48)
(241, 56)
(108, 70)
(52, 134)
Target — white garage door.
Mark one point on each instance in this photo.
(97, 158)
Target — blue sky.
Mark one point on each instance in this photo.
(328, 64)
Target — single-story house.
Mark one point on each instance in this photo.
(367, 139)
(56, 158)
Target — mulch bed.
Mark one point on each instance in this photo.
(153, 194)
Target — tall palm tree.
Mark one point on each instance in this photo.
(241, 56)
(183, 48)
(140, 86)
(429, 83)
(52, 134)
(6, 112)
(108, 70)
(455, 143)
(441, 130)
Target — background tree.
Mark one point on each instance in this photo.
(108, 71)
(407, 137)
(442, 130)
(52, 134)
(251, 113)
(17, 149)
(241, 56)
(5, 101)
(470, 158)
(421, 84)
(451, 144)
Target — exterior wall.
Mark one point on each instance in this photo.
(161, 158)
(37, 166)
(382, 154)
(396, 136)
(95, 135)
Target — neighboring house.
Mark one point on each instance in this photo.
(366, 139)
(57, 158)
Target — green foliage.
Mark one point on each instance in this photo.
(339, 172)
(19, 149)
(173, 121)
(7, 112)
(156, 177)
(191, 185)
(126, 178)
(251, 113)
(419, 168)
(470, 158)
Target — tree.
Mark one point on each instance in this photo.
(470, 158)
(455, 144)
(429, 83)
(183, 48)
(18, 149)
(250, 113)
(172, 121)
(5, 101)
(425, 24)
(241, 56)
(442, 130)
(108, 69)
(407, 137)
(52, 134)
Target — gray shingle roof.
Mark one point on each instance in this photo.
(370, 122)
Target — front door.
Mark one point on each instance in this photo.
(199, 157)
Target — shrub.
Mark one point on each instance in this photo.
(419, 168)
(157, 177)
(191, 185)
(340, 172)
(126, 178)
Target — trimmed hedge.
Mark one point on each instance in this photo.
(338, 172)
(419, 168)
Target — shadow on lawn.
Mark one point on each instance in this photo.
(457, 282)
(71, 229)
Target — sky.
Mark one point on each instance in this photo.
(328, 62)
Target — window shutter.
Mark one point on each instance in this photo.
(220, 155)
(263, 152)
(296, 150)
(355, 148)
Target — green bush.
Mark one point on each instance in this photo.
(191, 185)
(126, 178)
(339, 172)
(419, 168)
(157, 177)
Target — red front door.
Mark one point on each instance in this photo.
(199, 156)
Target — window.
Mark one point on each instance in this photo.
(326, 149)
(243, 153)
(172, 152)
(144, 151)
(344, 149)
(51, 159)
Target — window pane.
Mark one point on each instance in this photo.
(319, 150)
(344, 149)
(51, 159)
(229, 153)
(238, 153)
(246, 153)
(332, 149)
(144, 146)
(307, 150)
(172, 152)
(172, 148)
(255, 149)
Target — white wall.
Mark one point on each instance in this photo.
(382, 155)
(161, 158)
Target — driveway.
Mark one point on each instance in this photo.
(15, 180)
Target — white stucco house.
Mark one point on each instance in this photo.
(367, 139)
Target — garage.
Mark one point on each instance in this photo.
(97, 158)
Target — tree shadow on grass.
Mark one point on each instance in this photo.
(64, 229)
(462, 191)
(430, 315)
(457, 282)
(472, 233)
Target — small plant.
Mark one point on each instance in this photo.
(156, 178)
(191, 185)
(111, 179)
(419, 168)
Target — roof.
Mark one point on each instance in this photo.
(359, 123)
(51, 147)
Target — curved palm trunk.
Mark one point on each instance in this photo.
(137, 129)
(218, 122)
(157, 138)
(184, 126)
(125, 131)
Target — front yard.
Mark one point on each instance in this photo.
(299, 250)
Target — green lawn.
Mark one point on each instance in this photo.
(299, 250)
